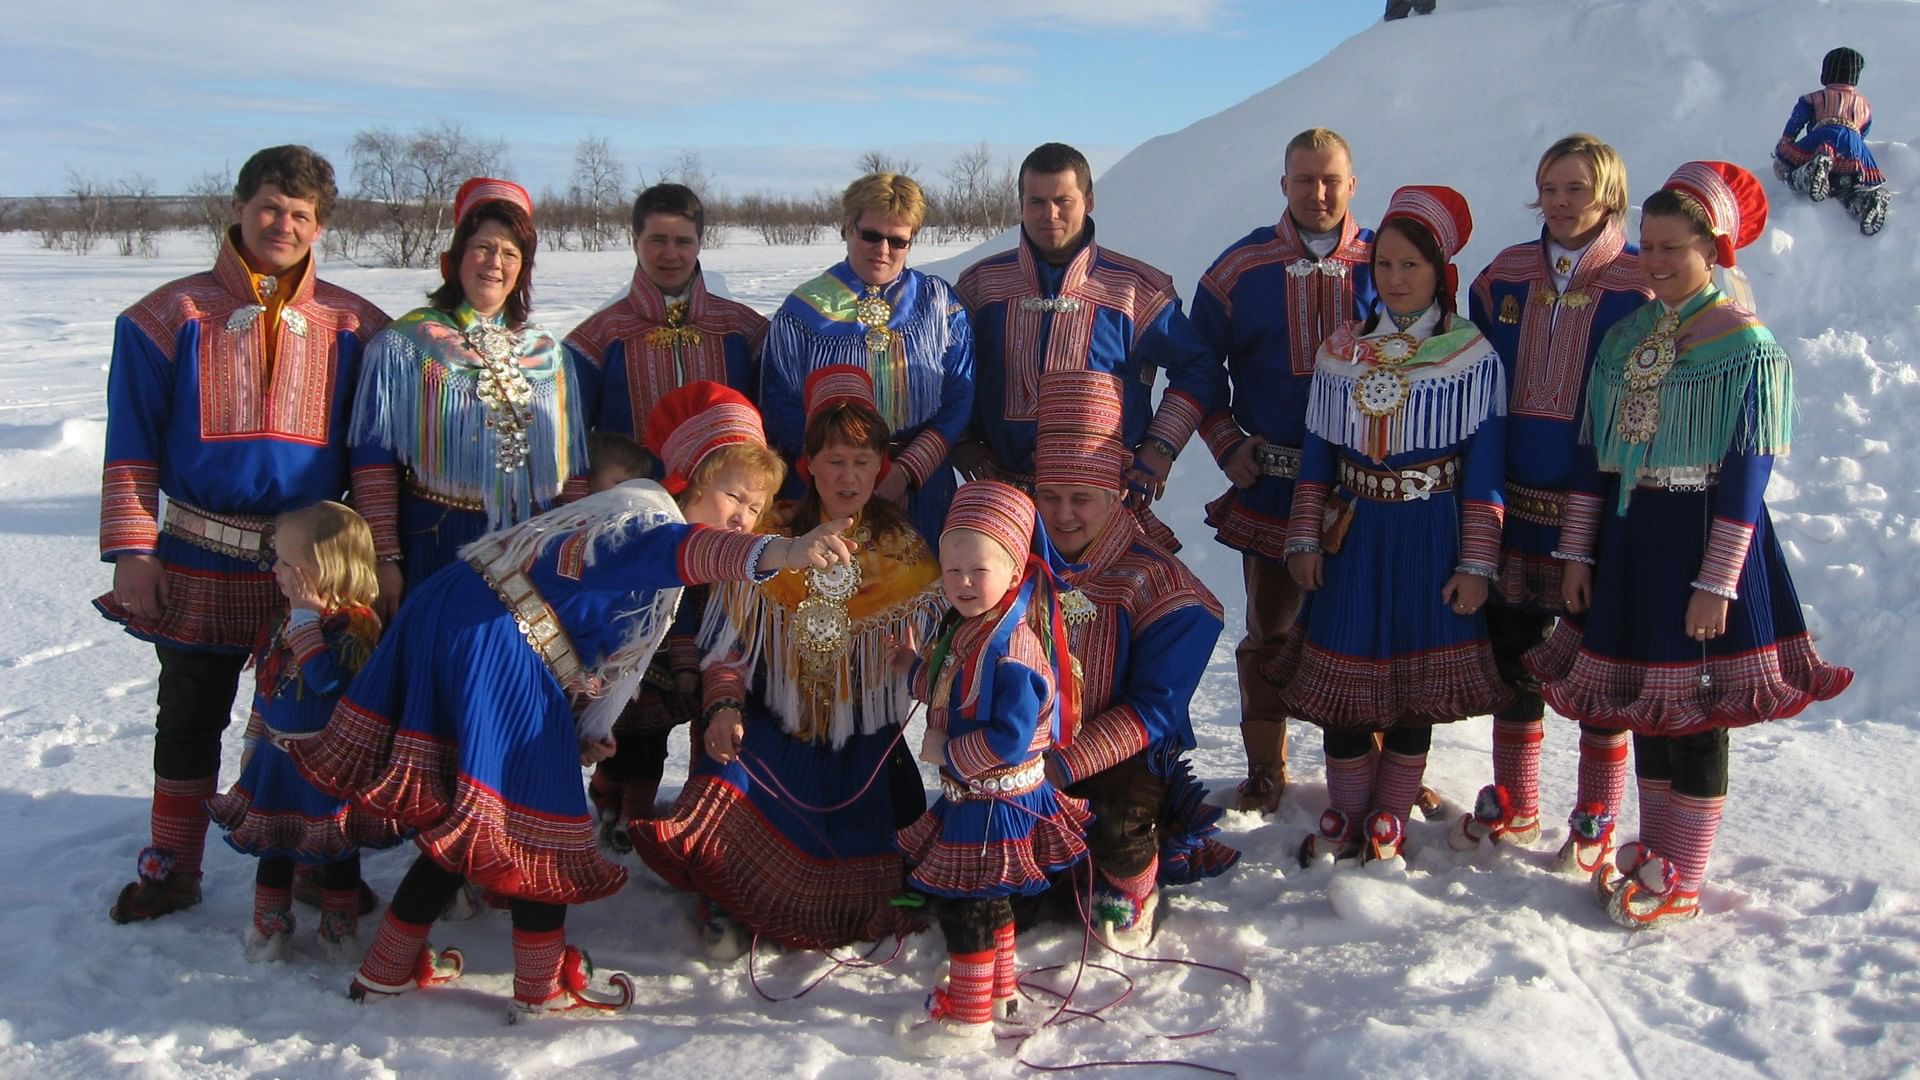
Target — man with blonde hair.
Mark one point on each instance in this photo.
(906, 328)
(1263, 308)
(1060, 301)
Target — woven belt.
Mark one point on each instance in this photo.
(1536, 506)
(1277, 460)
(440, 498)
(1017, 780)
(1837, 121)
(237, 536)
(1400, 485)
(539, 623)
(1691, 478)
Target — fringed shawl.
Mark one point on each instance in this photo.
(818, 326)
(603, 521)
(899, 591)
(1722, 350)
(419, 396)
(1454, 381)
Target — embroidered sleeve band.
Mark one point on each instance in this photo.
(708, 555)
(1480, 524)
(1579, 525)
(129, 509)
(1103, 742)
(376, 495)
(1176, 419)
(1221, 435)
(1303, 520)
(923, 455)
(1727, 543)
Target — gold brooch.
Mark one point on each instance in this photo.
(1509, 311)
(1393, 348)
(874, 313)
(1076, 609)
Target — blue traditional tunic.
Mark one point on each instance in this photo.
(461, 724)
(795, 839)
(1547, 338)
(999, 828)
(1102, 311)
(272, 811)
(1142, 648)
(1833, 120)
(635, 350)
(1691, 405)
(1408, 428)
(1263, 308)
(230, 392)
(912, 337)
(462, 425)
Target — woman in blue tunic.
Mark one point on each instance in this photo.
(786, 825)
(1694, 626)
(906, 328)
(467, 417)
(463, 724)
(1396, 531)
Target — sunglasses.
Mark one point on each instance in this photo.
(874, 236)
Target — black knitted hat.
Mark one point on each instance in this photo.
(1842, 65)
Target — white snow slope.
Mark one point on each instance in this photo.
(1804, 964)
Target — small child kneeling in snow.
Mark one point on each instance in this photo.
(1831, 157)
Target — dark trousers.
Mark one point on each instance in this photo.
(1407, 739)
(195, 703)
(970, 924)
(429, 887)
(1694, 764)
(339, 876)
(1126, 801)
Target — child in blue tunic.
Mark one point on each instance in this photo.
(999, 692)
(1823, 150)
(324, 566)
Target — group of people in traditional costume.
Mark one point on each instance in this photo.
(793, 536)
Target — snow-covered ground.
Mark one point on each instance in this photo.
(1491, 966)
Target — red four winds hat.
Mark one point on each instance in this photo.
(1001, 511)
(694, 421)
(1079, 436)
(838, 384)
(1735, 203)
(1443, 212)
(485, 189)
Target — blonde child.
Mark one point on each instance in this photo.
(324, 566)
(467, 723)
(1000, 693)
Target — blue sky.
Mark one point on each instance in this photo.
(774, 95)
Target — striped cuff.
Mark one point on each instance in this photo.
(1726, 555)
(969, 755)
(1304, 518)
(376, 495)
(683, 653)
(708, 555)
(1176, 419)
(129, 509)
(924, 454)
(1221, 435)
(305, 639)
(1579, 526)
(722, 682)
(575, 489)
(1480, 524)
(1101, 743)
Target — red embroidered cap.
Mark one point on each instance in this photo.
(1001, 511)
(1444, 213)
(838, 384)
(694, 421)
(1734, 200)
(1079, 431)
(484, 189)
